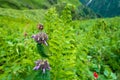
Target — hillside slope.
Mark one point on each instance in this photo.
(76, 48)
(34, 4)
(78, 11)
(106, 8)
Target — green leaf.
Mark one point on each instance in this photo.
(113, 75)
(106, 73)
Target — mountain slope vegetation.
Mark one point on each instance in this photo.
(78, 11)
(76, 48)
(106, 8)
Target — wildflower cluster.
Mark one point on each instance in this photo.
(41, 37)
(42, 65)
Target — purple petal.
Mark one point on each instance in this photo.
(36, 67)
(48, 68)
(45, 43)
(33, 36)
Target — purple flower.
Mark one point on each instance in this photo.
(41, 38)
(42, 65)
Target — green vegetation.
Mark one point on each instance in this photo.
(78, 11)
(34, 4)
(105, 8)
(25, 4)
(76, 48)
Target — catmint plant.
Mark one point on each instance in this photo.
(42, 67)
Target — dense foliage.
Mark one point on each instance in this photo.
(77, 50)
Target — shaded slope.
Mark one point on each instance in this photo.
(106, 8)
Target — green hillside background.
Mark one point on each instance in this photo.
(80, 42)
(105, 8)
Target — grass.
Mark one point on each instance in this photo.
(35, 15)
